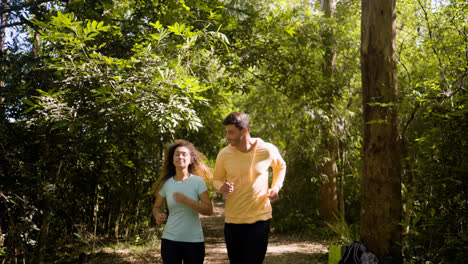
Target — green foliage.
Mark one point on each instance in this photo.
(293, 105)
(155, 83)
(84, 147)
(432, 76)
(344, 233)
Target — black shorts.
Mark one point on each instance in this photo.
(173, 252)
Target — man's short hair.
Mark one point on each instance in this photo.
(240, 120)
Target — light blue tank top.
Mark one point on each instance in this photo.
(183, 223)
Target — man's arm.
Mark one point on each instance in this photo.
(279, 171)
(219, 173)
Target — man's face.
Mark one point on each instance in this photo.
(233, 135)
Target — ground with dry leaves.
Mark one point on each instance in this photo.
(282, 249)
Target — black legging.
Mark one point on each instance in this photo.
(247, 243)
(173, 252)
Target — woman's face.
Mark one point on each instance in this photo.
(182, 157)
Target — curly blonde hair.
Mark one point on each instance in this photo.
(197, 165)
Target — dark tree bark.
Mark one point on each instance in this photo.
(380, 182)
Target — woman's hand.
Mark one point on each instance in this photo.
(158, 214)
(180, 198)
(204, 206)
(160, 218)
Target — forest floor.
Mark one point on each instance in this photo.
(282, 248)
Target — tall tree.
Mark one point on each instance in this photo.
(329, 196)
(380, 182)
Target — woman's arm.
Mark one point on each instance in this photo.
(158, 214)
(204, 207)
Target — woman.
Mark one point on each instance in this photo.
(187, 196)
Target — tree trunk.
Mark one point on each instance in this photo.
(380, 182)
(108, 227)
(341, 177)
(329, 196)
(117, 221)
(95, 216)
(36, 34)
(329, 7)
(36, 44)
(2, 44)
(135, 228)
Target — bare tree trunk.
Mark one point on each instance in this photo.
(409, 204)
(135, 228)
(117, 221)
(3, 30)
(95, 215)
(341, 178)
(329, 195)
(36, 44)
(109, 218)
(2, 44)
(329, 7)
(120, 219)
(36, 34)
(380, 182)
(407, 176)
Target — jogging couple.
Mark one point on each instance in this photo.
(241, 173)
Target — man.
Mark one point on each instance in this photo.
(241, 173)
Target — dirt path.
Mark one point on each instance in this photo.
(282, 249)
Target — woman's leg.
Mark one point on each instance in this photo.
(171, 252)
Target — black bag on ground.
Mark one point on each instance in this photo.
(390, 260)
(352, 253)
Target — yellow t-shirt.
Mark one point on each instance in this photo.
(249, 202)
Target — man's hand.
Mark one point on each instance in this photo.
(227, 188)
(273, 194)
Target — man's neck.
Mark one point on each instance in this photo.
(247, 145)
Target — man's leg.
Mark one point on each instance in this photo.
(234, 237)
(194, 253)
(247, 243)
(257, 242)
